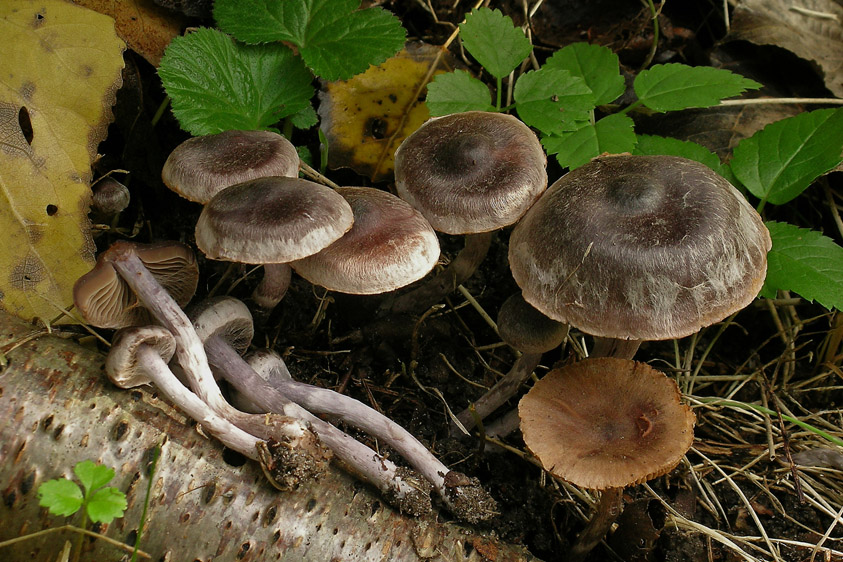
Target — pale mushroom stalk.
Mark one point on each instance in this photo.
(608, 509)
(614, 347)
(273, 286)
(463, 496)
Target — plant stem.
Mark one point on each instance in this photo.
(498, 94)
(73, 529)
(156, 456)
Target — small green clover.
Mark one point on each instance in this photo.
(64, 497)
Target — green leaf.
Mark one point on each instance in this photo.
(652, 144)
(614, 134)
(60, 496)
(805, 262)
(335, 39)
(780, 161)
(598, 66)
(551, 100)
(216, 84)
(494, 41)
(92, 475)
(455, 92)
(106, 504)
(304, 118)
(671, 87)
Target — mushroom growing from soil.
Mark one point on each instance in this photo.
(212, 318)
(272, 221)
(630, 248)
(604, 424)
(390, 245)
(469, 174)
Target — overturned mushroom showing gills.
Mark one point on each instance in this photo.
(272, 221)
(390, 245)
(201, 167)
(604, 424)
(468, 173)
(640, 248)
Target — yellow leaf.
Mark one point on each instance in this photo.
(60, 72)
(366, 118)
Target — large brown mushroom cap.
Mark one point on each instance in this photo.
(389, 246)
(640, 247)
(271, 220)
(106, 301)
(606, 423)
(471, 172)
(200, 167)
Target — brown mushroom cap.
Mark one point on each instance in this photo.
(389, 246)
(606, 423)
(121, 363)
(526, 329)
(106, 301)
(200, 167)
(471, 172)
(640, 247)
(271, 220)
(225, 317)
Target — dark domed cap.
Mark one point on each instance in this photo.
(471, 172)
(200, 167)
(389, 246)
(606, 423)
(528, 330)
(640, 247)
(271, 220)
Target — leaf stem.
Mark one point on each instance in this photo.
(73, 529)
(498, 93)
(156, 455)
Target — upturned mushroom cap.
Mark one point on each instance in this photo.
(106, 301)
(606, 423)
(389, 246)
(225, 317)
(640, 247)
(121, 363)
(471, 172)
(200, 167)
(271, 220)
(526, 329)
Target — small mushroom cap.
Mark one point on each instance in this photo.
(471, 172)
(528, 330)
(225, 317)
(109, 196)
(121, 363)
(271, 220)
(606, 423)
(106, 301)
(200, 167)
(640, 247)
(389, 246)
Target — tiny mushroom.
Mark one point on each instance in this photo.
(390, 245)
(201, 167)
(109, 197)
(470, 174)
(272, 221)
(631, 248)
(605, 423)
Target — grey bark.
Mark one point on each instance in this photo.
(57, 408)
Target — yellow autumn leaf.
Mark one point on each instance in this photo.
(60, 72)
(365, 118)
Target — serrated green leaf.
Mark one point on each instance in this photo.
(780, 161)
(335, 39)
(92, 475)
(60, 496)
(494, 41)
(216, 84)
(653, 144)
(805, 262)
(106, 504)
(551, 100)
(598, 66)
(671, 87)
(304, 118)
(614, 134)
(305, 155)
(456, 92)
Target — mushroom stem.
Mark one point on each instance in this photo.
(463, 496)
(463, 266)
(608, 509)
(273, 286)
(160, 374)
(502, 391)
(614, 347)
